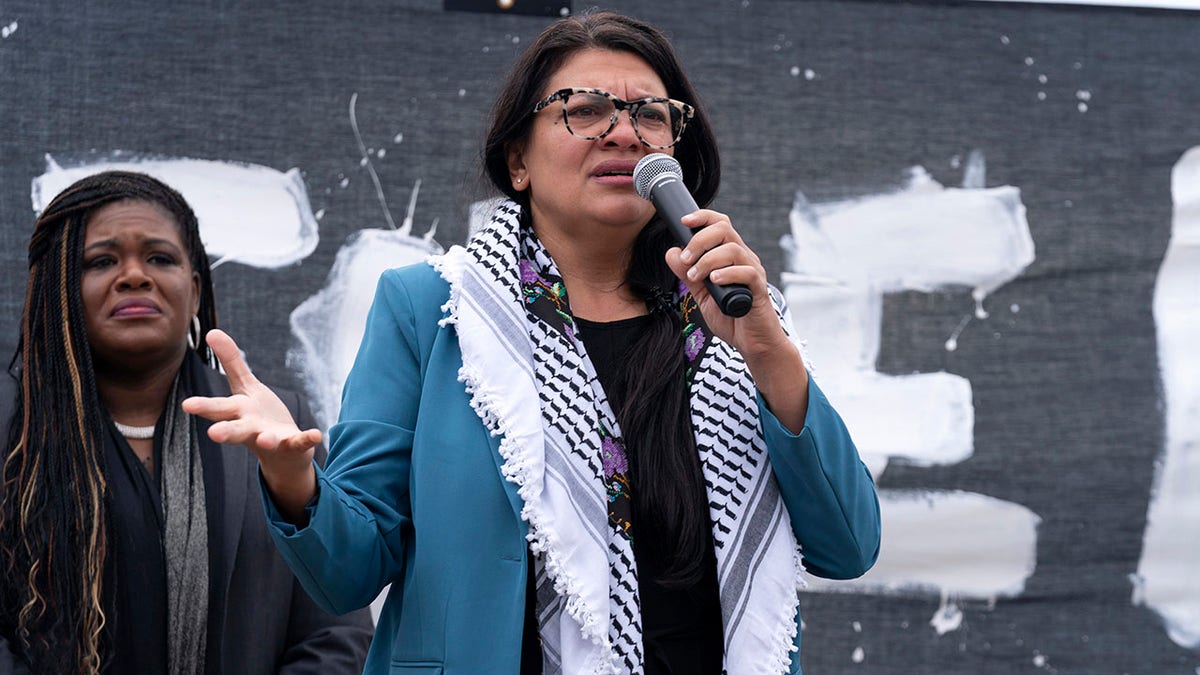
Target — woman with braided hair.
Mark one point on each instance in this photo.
(129, 541)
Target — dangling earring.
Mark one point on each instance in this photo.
(195, 329)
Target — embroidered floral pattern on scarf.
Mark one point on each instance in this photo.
(694, 337)
(546, 298)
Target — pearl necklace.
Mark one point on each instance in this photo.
(136, 433)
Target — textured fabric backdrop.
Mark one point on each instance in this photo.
(1049, 403)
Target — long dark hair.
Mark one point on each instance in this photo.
(53, 518)
(653, 410)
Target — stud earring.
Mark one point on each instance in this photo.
(519, 180)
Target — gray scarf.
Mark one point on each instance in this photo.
(185, 540)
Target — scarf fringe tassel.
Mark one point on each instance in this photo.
(542, 537)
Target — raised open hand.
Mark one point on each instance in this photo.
(254, 416)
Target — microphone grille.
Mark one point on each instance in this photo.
(650, 168)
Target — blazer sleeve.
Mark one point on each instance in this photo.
(361, 515)
(317, 642)
(827, 490)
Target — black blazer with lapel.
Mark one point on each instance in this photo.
(260, 620)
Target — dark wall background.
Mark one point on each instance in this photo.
(1068, 416)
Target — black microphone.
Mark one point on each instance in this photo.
(659, 178)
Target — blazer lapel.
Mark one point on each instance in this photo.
(237, 474)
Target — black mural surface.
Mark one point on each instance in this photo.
(1086, 110)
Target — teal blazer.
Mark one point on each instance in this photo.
(412, 495)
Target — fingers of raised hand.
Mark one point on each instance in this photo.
(300, 442)
(227, 352)
(238, 431)
(288, 441)
(219, 408)
(254, 434)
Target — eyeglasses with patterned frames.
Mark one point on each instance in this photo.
(592, 113)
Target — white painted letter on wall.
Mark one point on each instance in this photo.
(845, 256)
(1168, 575)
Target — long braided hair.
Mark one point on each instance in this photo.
(53, 516)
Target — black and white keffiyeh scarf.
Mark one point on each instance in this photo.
(532, 384)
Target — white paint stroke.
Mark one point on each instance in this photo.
(1167, 579)
(329, 325)
(968, 546)
(845, 255)
(950, 236)
(248, 213)
(923, 419)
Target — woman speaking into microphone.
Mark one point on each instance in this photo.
(553, 444)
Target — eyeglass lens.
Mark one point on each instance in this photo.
(593, 115)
